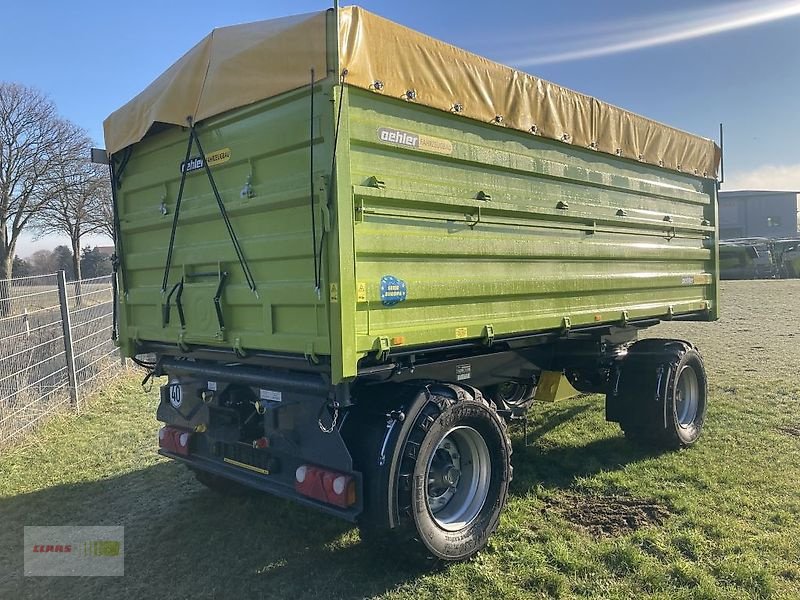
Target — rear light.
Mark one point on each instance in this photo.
(326, 486)
(174, 440)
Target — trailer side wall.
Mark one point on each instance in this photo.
(484, 231)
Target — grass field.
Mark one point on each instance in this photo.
(589, 516)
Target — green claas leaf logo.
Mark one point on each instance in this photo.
(102, 548)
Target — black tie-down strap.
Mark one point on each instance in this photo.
(195, 139)
(115, 175)
(178, 287)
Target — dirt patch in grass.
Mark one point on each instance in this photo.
(793, 430)
(604, 516)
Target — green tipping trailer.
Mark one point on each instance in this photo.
(354, 250)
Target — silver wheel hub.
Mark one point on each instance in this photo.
(458, 477)
(687, 396)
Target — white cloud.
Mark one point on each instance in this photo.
(765, 177)
(636, 33)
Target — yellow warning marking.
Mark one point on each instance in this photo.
(361, 294)
(461, 332)
(246, 466)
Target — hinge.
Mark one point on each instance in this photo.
(359, 209)
(310, 355)
(376, 183)
(384, 346)
(488, 335)
(182, 342)
(238, 349)
(566, 324)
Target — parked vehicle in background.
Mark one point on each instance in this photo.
(759, 258)
(747, 258)
(357, 256)
(787, 254)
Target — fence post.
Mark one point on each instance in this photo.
(69, 352)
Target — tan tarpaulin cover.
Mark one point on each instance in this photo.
(235, 66)
(231, 67)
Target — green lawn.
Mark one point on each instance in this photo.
(589, 515)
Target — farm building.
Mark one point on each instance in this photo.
(766, 214)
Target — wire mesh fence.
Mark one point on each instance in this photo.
(55, 343)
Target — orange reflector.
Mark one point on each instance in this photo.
(398, 340)
(598, 317)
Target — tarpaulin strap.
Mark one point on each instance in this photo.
(318, 274)
(184, 170)
(178, 287)
(126, 156)
(218, 299)
(116, 183)
(114, 298)
(251, 282)
(317, 283)
(195, 139)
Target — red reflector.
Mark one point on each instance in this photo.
(326, 486)
(174, 440)
(261, 442)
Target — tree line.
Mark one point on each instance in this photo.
(94, 262)
(48, 185)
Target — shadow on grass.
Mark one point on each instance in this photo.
(183, 541)
(559, 465)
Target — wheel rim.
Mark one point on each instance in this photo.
(458, 476)
(687, 396)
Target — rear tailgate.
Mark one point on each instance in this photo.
(259, 158)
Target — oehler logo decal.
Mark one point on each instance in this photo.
(407, 139)
(196, 163)
(395, 136)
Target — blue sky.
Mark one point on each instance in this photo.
(739, 64)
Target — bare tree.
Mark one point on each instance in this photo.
(75, 194)
(104, 216)
(30, 132)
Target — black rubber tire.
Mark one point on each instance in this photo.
(396, 492)
(649, 387)
(221, 485)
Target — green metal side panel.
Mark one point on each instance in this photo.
(493, 232)
(265, 185)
